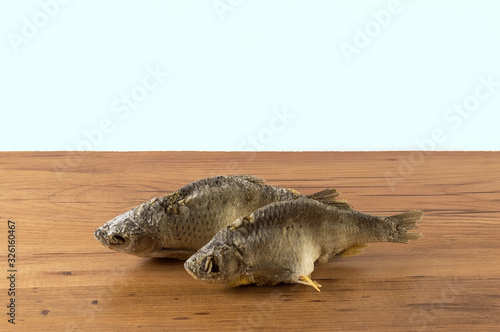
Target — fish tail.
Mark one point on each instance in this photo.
(403, 223)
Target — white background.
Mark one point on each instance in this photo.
(249, 74)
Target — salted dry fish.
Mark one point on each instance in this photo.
(179, 224)
(281, 242)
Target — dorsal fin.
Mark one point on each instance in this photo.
(328, 196)
(250, 178)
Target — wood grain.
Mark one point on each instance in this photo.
(67, 281)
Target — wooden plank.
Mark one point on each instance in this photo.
(65, 280)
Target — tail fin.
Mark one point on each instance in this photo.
(328, 196)
(403, 223)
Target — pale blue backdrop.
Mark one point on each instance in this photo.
(250, 75)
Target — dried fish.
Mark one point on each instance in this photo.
(281, 242)
(179, 224)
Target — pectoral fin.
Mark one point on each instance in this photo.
(306, 280)
(268, 275)
(353, 251)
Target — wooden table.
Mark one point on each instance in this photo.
(65, 280)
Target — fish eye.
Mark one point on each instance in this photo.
(209, 264)
(206, 264)
(215, 266)
(116, 239)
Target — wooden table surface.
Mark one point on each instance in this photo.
(67, 281)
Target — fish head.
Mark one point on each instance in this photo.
(128, 233)
(217, 262)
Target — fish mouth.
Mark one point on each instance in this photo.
(98, 234)
(194, 272)
(191, 273)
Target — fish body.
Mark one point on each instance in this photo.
(179, 224)
(281, 242)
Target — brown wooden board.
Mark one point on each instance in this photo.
(65, 280)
